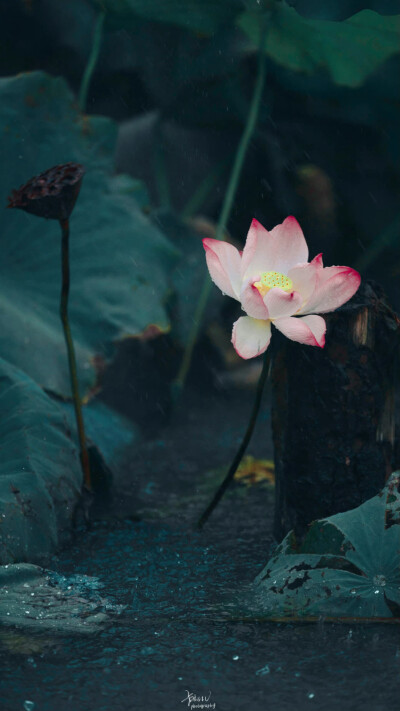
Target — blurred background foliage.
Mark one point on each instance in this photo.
(177, 77)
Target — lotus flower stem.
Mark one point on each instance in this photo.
(71, 352)
(248, 132)
(202, 191)
(161, 168)
(245, 442)
(92, 61)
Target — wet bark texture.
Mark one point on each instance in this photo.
(333, 413)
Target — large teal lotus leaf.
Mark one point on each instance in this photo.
(40, 473)
(108, 430)
(349, 51)
(119, 260)
(347, 566)
(196, 15)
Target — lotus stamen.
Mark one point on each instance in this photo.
(271, 280)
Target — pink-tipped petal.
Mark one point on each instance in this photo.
(304, 278)
(281, 304)
(250, 336)
(277, 250)
(318, 261)
(258, 251)
(252, 301)
(291, 246)
(335, 286)
(304, 329)
(223, 261)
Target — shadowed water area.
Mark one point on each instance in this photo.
(185, 626)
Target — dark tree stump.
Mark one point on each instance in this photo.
(333, 413)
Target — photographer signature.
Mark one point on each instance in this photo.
(198, 702)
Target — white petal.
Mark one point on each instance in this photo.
(278, 250)
(291, 246)
(305, 329)
(280, 303)
(223, 261)
(304, 277)
(258, 252)
(251, 336)
(335, 286)
(252, 301)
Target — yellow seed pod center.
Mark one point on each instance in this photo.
(270, 280)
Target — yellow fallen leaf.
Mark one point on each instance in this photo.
(255, 471)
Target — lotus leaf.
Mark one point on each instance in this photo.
(40, 473)
(347, 566)
(349, 51)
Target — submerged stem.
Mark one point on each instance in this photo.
(249, 128)
(71, 352)
(92, 61)
(246, 439)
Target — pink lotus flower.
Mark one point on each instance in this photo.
(275, 283)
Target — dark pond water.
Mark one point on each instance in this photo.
(182, 630)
